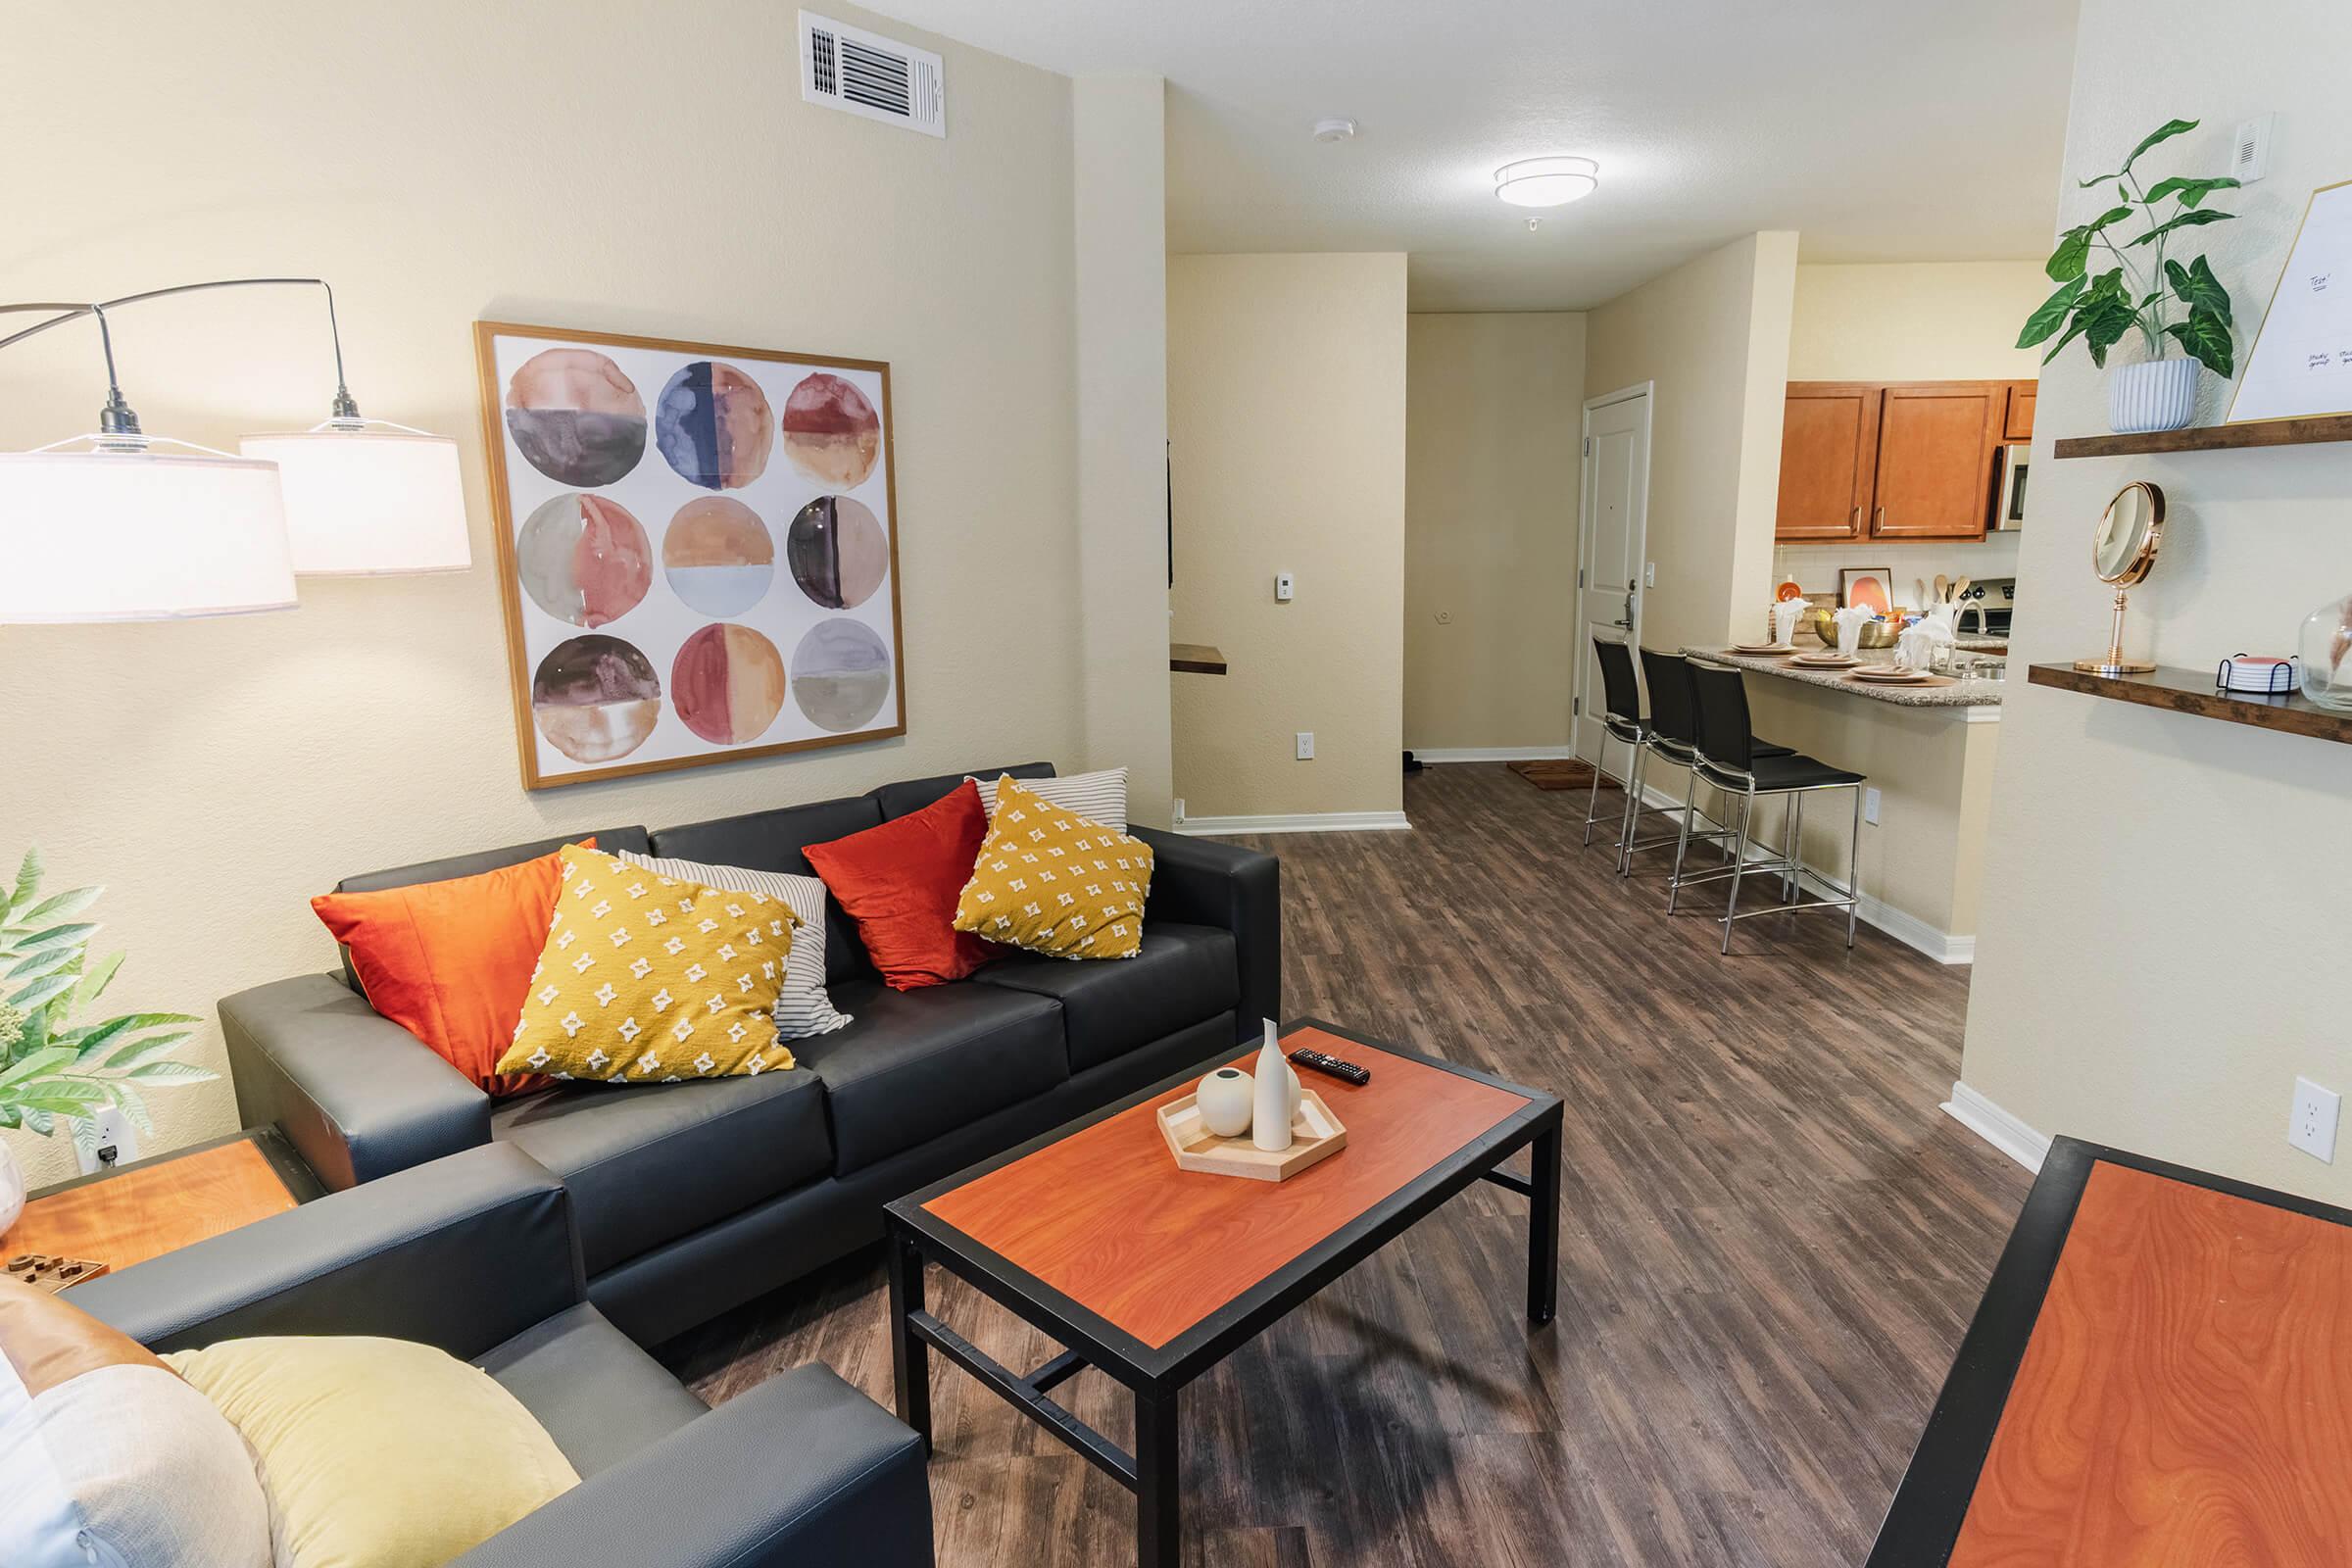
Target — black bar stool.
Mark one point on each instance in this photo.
(1670, 732)
(1728, 760)
(1620, 720)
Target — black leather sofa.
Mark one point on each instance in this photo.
(477, 1255)
(692, 1199)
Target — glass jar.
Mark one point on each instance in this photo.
(2327, 655)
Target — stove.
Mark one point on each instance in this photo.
(1990, 600)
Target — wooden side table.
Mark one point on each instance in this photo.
(151, 1207)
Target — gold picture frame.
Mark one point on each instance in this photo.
(757, 530)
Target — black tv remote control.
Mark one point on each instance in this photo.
(1344, 1071)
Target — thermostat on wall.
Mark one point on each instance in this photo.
(1282, 587)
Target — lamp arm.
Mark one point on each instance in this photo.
(116, 410)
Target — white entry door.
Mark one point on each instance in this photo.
(1615, 513)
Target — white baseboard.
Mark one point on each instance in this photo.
(1495, 754)
(1908, 929)
(1209, 827)
(1996, 1127)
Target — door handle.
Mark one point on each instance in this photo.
(1879, 521)
(1628, 622)
(1856, 523)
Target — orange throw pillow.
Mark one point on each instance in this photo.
(449, 961)
(900, 882)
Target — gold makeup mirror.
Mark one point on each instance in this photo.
(2122, 550)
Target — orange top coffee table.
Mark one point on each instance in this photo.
(2157, 1376)
(1155, 1274)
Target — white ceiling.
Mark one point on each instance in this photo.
(1880, 130)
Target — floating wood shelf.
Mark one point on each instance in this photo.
(2192, 691)
(2211, 438)
(1196, 659)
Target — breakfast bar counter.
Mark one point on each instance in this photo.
(1972, 694)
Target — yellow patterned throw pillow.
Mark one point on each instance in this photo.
(650, 979)
(1053, 882)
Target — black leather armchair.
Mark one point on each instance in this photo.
(476, 1253)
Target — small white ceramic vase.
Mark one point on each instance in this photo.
(1275, 1097)
(2152, 395)
(12, 1188)
(1226, 1099)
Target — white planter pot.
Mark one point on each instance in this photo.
(2152, 395)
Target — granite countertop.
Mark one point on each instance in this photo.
(1961, 694)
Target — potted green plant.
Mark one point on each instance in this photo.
(2180, 313)
(54, 1070)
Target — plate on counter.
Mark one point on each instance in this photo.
(1764, 650)
(1825, 661)
(1888, 676)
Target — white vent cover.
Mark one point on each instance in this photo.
(850, 69)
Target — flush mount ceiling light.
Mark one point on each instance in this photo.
(1335, 131)
(1546, 181)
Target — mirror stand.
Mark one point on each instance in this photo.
(2115, 663)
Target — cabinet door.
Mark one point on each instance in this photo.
(2019, 426)
(1829, 450)
(1937, 442)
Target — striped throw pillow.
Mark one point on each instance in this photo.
(1098, 797)
(803, 1009)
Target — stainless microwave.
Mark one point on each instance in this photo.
(2009, 509)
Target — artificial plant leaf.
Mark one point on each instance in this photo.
(29, 879)
(96, 980)
(10, 1118)
(2113, 215)
(2189, 219)
(90, 1037)
(2206, 337)
(2052, 314)
(45, 1060)
(2199, 289)
(38, 1121)
(58, 906)
(44, 961)
(2071, 259)
(39, 992)
(64, 1097)
(51, 936)
(2107, 316)
(2164, 132)
(171, 1072)
(2190, 191)
(141, 1052)
(84, 1132)
(2074, 330)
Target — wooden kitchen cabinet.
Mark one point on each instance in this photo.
(1829, 460)
(1904, 460)
(2019, 426)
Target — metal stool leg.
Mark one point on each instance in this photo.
(1853, 871)
(1632, 816)
(1600, 754)
(1793, 847)
(1748, 807)
(1681, 840)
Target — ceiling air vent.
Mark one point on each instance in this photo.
(852, 70)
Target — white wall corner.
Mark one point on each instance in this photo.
(1997, 1127)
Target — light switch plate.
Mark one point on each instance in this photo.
(1649, 574)
(1870, 807)
(1282, 587)
(2311, 1125)
(1307, 746)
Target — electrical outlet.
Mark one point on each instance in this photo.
(1177, 815)
(1282, 587)
(1307, 746)
(116, 1144)
(1649, 574)
(2311, 1125)
(1870, 807)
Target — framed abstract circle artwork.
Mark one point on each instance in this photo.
(698, 550)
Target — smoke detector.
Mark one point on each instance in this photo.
(1335, 131)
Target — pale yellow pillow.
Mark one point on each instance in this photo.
(378, 1453)
(647, 978)
(1053, 882)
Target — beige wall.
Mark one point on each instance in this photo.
(1713, 337)
(1912, 321)
(1915, 321)
(2131, 847)
(1286, 416)
(1120, 127)
(441, 163)
(1492, 406)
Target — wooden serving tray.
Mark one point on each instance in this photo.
(1315, 1135)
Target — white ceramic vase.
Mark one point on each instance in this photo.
(2152, 395)
(1227, 1102)
(1275, 1098)
(12, 1188)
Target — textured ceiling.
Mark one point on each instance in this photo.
(1880, 130)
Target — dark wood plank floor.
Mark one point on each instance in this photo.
(1771, 1241)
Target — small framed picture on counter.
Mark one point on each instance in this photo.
(1869, 587)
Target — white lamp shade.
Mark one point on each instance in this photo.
(370, 502)
(138, 536)
(1546, 181)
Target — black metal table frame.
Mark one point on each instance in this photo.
(1924, 1521)
(1158, 1374)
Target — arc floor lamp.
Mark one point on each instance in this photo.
(108, 527)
